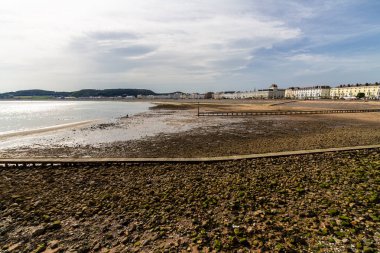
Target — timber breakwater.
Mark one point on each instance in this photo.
(262, 113)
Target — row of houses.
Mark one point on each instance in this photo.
(316, 92)
(176, 95)
(367, 91)
(273, 92)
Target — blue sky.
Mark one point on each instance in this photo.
(197, 45)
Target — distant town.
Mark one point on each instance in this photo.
(356, 91)
(347, 92)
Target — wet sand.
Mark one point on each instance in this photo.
(143, 126)
(266, 105)
(165, 132)
(46, 129)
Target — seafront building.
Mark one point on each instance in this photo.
(370, 91)
(365, 91)
(290, 93)
(273, 92)
(228, 95)
(175, 95)
(315, 92)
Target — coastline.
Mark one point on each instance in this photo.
(47, 129)
(299, 203)
(176, 131)
(52, 122)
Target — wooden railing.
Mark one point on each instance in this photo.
(260, 113)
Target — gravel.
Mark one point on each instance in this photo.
(313, 203)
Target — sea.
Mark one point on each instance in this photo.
(18, 116)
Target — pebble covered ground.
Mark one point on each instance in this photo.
(313, 203)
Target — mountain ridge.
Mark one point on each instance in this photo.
(79, 93)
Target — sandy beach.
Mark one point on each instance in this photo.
(215, 126)
(172, 129)
(308, 203)
(46, 129)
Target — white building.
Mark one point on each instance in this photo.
(272, 93)
(218, 95)
(316, 92)
(370, 91)
(290, 92)
(231, 95)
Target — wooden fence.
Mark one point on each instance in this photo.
(261, 113)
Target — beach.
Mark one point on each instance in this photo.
(326, 202)
(172, 126)
(45, 129)
(172, 129)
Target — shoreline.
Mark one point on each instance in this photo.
(320, 202)
(46, 129)
(177, 132)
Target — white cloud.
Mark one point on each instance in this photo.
(168, 40)
(310, 58)
(326, 69)
(196, 45)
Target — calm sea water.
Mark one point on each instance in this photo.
(27, 115)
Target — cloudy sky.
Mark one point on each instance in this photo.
(187, 45)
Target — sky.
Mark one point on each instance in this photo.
(187, 45)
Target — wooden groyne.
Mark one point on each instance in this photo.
(261, 113)
(75, 162)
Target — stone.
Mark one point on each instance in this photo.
(53, 244)
(38, 231)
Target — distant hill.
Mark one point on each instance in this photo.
(39, 93)
(78, 94)
(112, 93)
